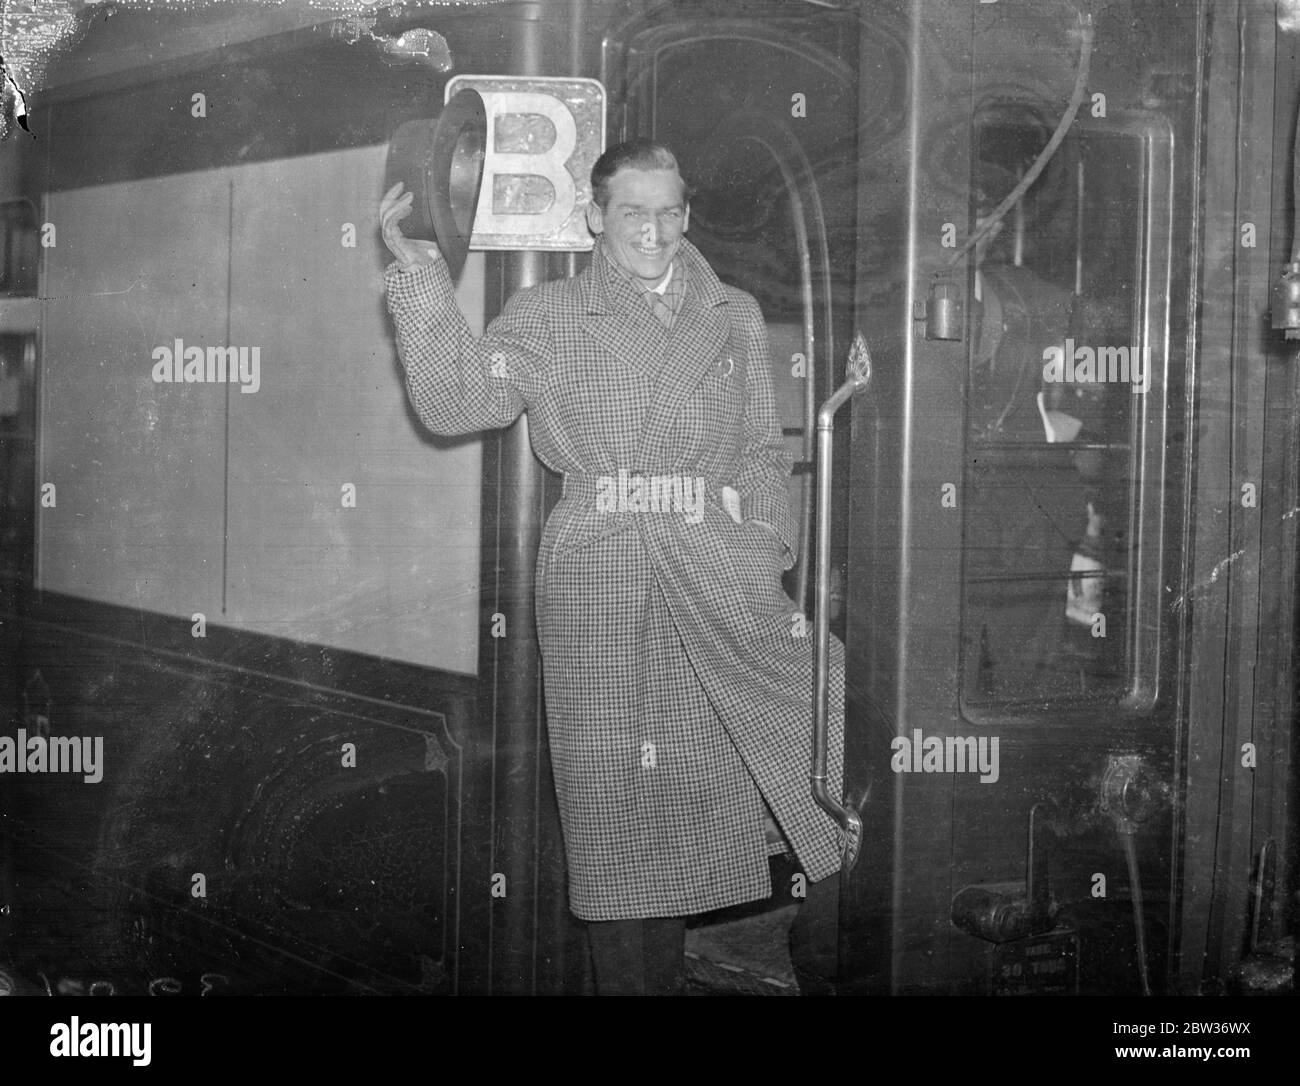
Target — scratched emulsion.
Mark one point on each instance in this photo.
(33, 33)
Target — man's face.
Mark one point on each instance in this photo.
(643, 222)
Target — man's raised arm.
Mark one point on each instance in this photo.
(457, 383)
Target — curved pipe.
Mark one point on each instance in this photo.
(850, 822)
(1045, 155)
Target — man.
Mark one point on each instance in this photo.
(678, 674)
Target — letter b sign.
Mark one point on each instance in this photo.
(543, 137)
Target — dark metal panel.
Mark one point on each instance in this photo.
(301, 93)
(1275, 803)
(226, 759)
(904, 544)
(928, 835)
(1224, 590)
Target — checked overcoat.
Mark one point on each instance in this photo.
(677, 673)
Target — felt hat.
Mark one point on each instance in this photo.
(441, 161)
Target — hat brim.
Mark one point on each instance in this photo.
(441, 162)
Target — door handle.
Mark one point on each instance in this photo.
(858, 373)
(1003, 911)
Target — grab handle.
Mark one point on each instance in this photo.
(850, 822)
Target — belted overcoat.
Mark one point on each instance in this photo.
(678, 674)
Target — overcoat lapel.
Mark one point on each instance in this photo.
(619, 320)
(697, 336)
(677, 361)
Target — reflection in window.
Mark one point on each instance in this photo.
(1059, 395)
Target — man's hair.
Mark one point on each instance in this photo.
(638, 154)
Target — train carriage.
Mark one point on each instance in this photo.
(287, 636)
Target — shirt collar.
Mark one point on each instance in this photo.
(599, 282)
(659, 288)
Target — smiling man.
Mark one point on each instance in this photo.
(639, 211)
(678, 674)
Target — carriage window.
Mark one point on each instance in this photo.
(1065, 421)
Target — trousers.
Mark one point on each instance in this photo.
(648, 957)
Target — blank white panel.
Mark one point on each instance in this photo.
(137, 466)
(397, 575)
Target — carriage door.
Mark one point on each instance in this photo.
(762, 112)
(1015, 471)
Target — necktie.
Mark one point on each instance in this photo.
(660, 308)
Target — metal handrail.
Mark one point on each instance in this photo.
(850, 822)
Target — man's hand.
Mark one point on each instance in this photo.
(731, 503)
(410, 252)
